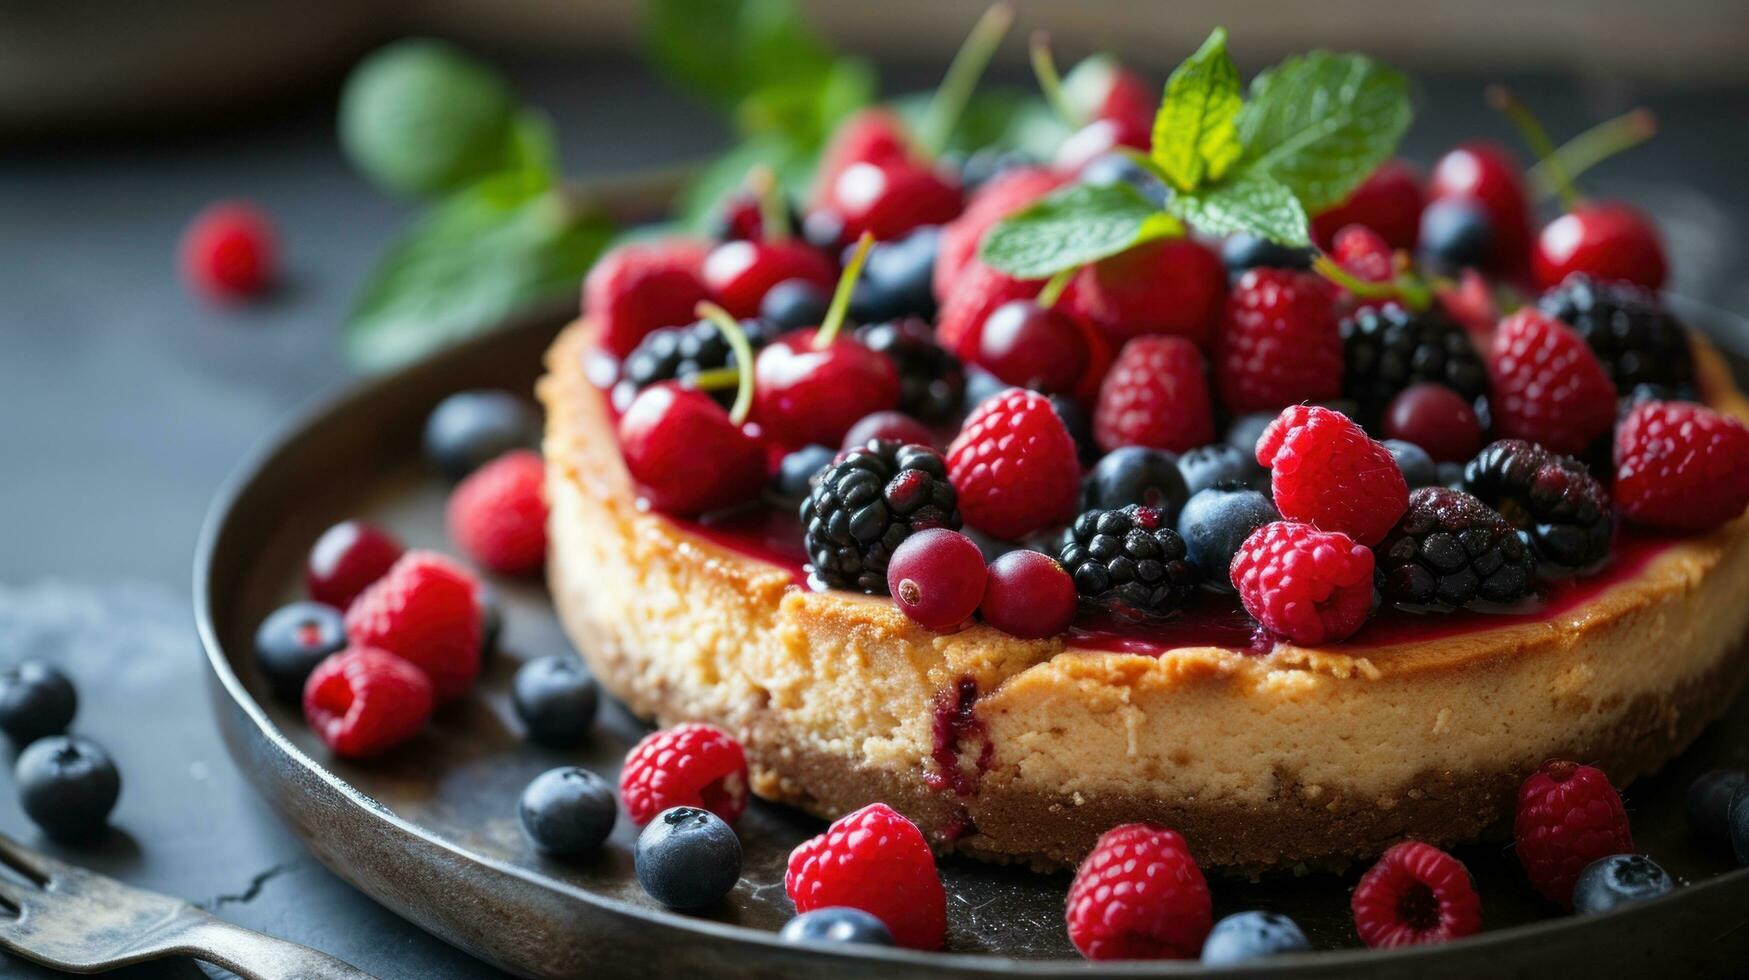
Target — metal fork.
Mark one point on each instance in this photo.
(75, 920)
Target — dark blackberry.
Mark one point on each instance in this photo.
(931, 380)
(1553, 497)
(1634, 337)
(1450, 550)
(1128, 562)
(1079, 421)
(678, 353)
(1389, 348)
(868, 502)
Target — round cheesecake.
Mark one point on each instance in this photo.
(1262, 756)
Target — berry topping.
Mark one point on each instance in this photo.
(1708, 805)
(1002, 196)
(1449, 550)
(1388, 203)
(973, 297)
(866, 504)
(1034, 346)
(363, 702)
(1280, 342)
(556, 700)
(686, 455)
(1217, 463)
(796, 472)
(1156, 395)
(1437, 419)
(835, 926)
(567, 812)
(1168, 286)
(687, 859)
(1028, 595)
(936, 578)
(1308, 585)
(67, 786)
(1363, 254)
(1548, 386)
(1418, 468)
(348, 557)
(1568, 816)
(1134, 475)
(1634, 336)
(890, 200)
(1388, 348)
(1243, 252)
(1681, 466)
(888, 426)
(1456, 235)
(230, 251)
(1607, 240)
(1325, 471)
(877, 861)
(793, 304)
(469, 429)
(1487, 174)
(740, 273)
(426, 610)
(1139, 896)
(1129, 562)
(683, 353)
(36, 700)
(931, 381)
(1617, 880)
(289, 644)
(1553, 497)
(498, 515)
(637, 288)
(1415, 894)
(691, 765)
(1015, 465)
(1214, 525)
(1246, 936)
(897, 279)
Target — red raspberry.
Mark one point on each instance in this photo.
(1389, 203)
(1548, 387)
(1415, 894)
(978, 293)
(877, 861)
(498, 515)
(1157, 395)
(1280, 342)
(1006, 193)
(687, 765)
(362, 702)
(1014, 465)
(1325, 470)
(230, 251)
(1308, 585)
(1681, 466)
(637, 288)
(426, 610)
(1171, 286)
(1364, 254)
(346, 559)
(1139, 896)
(1471, 303)
(1568, 816)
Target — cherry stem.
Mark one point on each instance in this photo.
(1050, 82)
(1048, 296)
(1594, 146)
(835, 314)
(1405, 286)
(962, 77)
(762, 180)
(1537, 138)
(738, 343)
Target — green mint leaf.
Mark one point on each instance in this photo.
(1245, 202)
(1195, 138)
(1072, 227)
(1321, 122)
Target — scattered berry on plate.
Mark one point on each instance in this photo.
(567, 812)
(1139, 896)
(1634, 337)
(692, 765)
(498, 514)
(556, 699)
(794, 304)
(1214, 524)
(889, 425)
(1168, 286)
(1243, 252)
(426, 610)
(1308, 585)
(1681, 466)
(1245, 936)
(230, 251)
(1555, 498)
(1437, 419)
(1388, 203)
(686, 455)
(1548, 387)
(1280, 342)
(739, 274)
(1135, 475)
(1451, 550)
(1608, 240)
(36, 700)
(1015, 466)
(687, 858)
(292, 640)
(864, 505)
(1415, 894)
(1326, 471)
(936, 577)
(1455, 235)
(877, 861)
(794, 479)
(1027, 594)
(1129, 562)
(346, 559)
(834, 926)
(67, 785)
(1418, 467)
(1218, 463)
(1617, 880)
(1388, 348)
(932, 382)
(1568, 816)
(641, 287)
(1032, 346)
(1156, 394)
(363, 702)
(471, 428)
(1708, 805)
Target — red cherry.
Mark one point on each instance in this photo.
(1437, 419)
(346, 559)
(1028, 595)
(937, 578)
(1488, 174)
(802, 395)
(1174, 286)
(1606, 240)
(1098, 138)
(740, 273)
(1389, 202)
(869, 136)
(685, 454)
(891, 200)
(889, 425)
(1033, 346)
(230, 251)
(1131, 101)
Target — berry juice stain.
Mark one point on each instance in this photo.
(956, 726)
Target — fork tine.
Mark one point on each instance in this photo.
(12, 896)
(37, 867)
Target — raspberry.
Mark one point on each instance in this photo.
(1279, 343)
(638, 288)
(1635, 338)
(229, 251)
(1450, 550)
(1155, 395)
(1365, 255)
(1554, 498)
(1171, 286)
(1005, 194)
(1014, 465)
(1568, 816)
(426, 610)
(1308, 585)
(977, 294)
(1548, 386)
(1681, 466)
(1139, 896)
(1326, 471)
(688, 765)
(498, 515)
(1415, 894)
(877, 861)
(363, 702)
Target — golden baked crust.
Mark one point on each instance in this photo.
(1296, 757)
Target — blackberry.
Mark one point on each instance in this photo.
(1129, 562)
(1634, 337)
(931, 381)
(1389, 348)
(868, 502)
(1553, 497)
(1449, 550)
(678, 353)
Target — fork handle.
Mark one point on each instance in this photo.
(253, 956)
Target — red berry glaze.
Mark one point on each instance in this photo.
(977, 294)
(1139, 896)
(1488, 174)
(1607, 240)
(805, 395)
(936, 577)
(362, 702)
(637, 288)
(230, 251)
(1388, 202)
(1547, 384)
(684, 453)
(1326, 471)
(346, 559)
(426, 611)
(1014, 465)
(1028, 595)
(1681, 466)
(1171, 286)
(1280, 343)
(877, 861)
(1568, 816)
(687, 765)
(1034, 346)
(1308, 585)
(498, 514)
(1437, 419)
(891, 425)
(1415, 894)
(1156, 395)
(890, 200)
(740, 273)
(1006, 193)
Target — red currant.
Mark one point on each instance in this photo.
(1389, 202)
(685, 453)
(937, 578)
(740, 273)
(1488, 174)
(1033, 346)
(347, 558)
(230, 251)
(1606, 240)
(1028, 595)
(1437, 419)
(890, 425)
(806, 395)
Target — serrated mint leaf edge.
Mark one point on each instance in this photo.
(1073, 227)
(1253, 203)
(1195, 136)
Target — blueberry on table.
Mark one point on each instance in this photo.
(35, 700)
(1708, 804)
(1252, 935)
(471, 428)
(688, 858)
(567, 811)
(67, 785)
(556, 699)
(291, 641)
(835, 925)
(1619, 879)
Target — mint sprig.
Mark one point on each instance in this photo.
(1195, 136)
(1072, 227)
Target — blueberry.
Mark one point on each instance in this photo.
(795, 472)
(1619, 879)
(567, 811)
(1709, 804)
(1455, 235)
(1737, 815)
(837, 924)
(1135, 475)
(1111, 169)
(491, 620)
(1243, 252)
(471, 428)
(898, 278)
(291, 641)
(1247, 429)
(1205, 466)
(981, 386)
(1418, 467)
(1079, 422)
(1252, 935)
(794, 304)
(688, 858)
(983, 165)
(1215, 522)
(67, 785)
(556, 700)
(35, 700)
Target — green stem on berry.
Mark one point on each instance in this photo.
(1405, 287)
(962, 77)
(1537, 138)
(773, 221)
(738, 343)
(835, 314)
(1592, 147)
(1050, 82)
(1048, 296)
